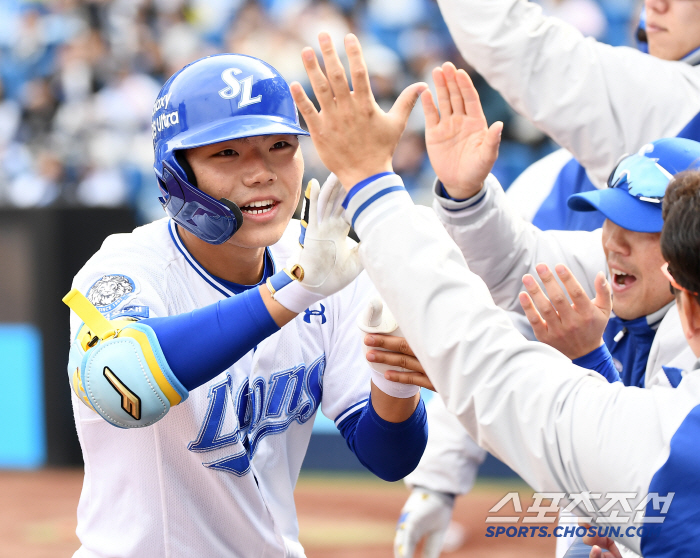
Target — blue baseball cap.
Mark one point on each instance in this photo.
(637, 185)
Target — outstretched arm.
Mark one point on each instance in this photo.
(523, 401)
(498, 245)
(582, 93)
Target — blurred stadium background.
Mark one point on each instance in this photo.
(77, 83)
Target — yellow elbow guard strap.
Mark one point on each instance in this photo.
(118, 369)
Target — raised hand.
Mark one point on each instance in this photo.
(353, 136)
(573, 329)
(461, 147)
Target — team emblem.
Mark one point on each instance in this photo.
(108, 291)
(131, 403)
(235, 87)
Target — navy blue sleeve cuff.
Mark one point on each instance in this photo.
(374, 196)
(389, 450)
(448, 203)
(601, 361)
(444, 194)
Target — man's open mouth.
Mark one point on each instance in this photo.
(258, 207)
(622, 279)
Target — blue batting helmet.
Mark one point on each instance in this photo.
(637, 184)
(217, 98)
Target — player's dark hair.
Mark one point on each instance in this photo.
(680, 237)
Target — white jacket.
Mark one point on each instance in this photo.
(560, 427)
(500, 247)
(597, 101)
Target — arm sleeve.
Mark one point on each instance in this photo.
(601, 361)
(525, 402)
(390, 450)
(582, 93)
(451, 459)
(501, 247)
(203, 343)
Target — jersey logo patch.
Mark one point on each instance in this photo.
(308, 313)
(109, 290)
(262, 408)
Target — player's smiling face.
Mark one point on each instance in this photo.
(261, 175)
(673, 27)
(634, 260)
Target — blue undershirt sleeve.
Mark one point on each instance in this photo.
(601, 361)
(389, 450)
(201, 344)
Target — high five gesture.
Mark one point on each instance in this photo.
(353, 136)
(461, 147)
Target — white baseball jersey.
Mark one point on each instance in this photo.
(216, 476)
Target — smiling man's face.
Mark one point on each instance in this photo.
(260, 174)
(634, 260)
(673, 27)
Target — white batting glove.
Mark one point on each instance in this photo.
(326, 260)
(426, 513)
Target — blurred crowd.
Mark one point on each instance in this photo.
(78, 79)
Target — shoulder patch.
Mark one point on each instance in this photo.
(109, 290)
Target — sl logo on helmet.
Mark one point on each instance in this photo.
(235, 87)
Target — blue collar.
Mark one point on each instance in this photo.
(226, 288)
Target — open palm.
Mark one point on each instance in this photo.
(461, 147)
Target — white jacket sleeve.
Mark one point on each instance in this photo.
(597, 101)
(523, 401)
(451, 459)
(500, 247)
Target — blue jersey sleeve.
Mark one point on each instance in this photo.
(201, 344)
(390, 450)
(601, 361)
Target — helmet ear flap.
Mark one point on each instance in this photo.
(185, 164)
(237, 213)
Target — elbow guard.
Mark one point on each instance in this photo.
(118, 369)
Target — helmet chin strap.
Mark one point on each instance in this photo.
(237, 213)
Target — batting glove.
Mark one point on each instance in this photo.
(326, 260)
(426, 513)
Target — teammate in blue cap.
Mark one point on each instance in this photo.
(502, 248)
(204, 343)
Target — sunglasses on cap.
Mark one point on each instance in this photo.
(645, 179)
(674, 284)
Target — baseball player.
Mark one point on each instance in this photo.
(204, 343)
(527, 403)
(597, 137)
(596, 101)
(633, 209)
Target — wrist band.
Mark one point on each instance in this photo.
(395, 389)
(289, 293)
